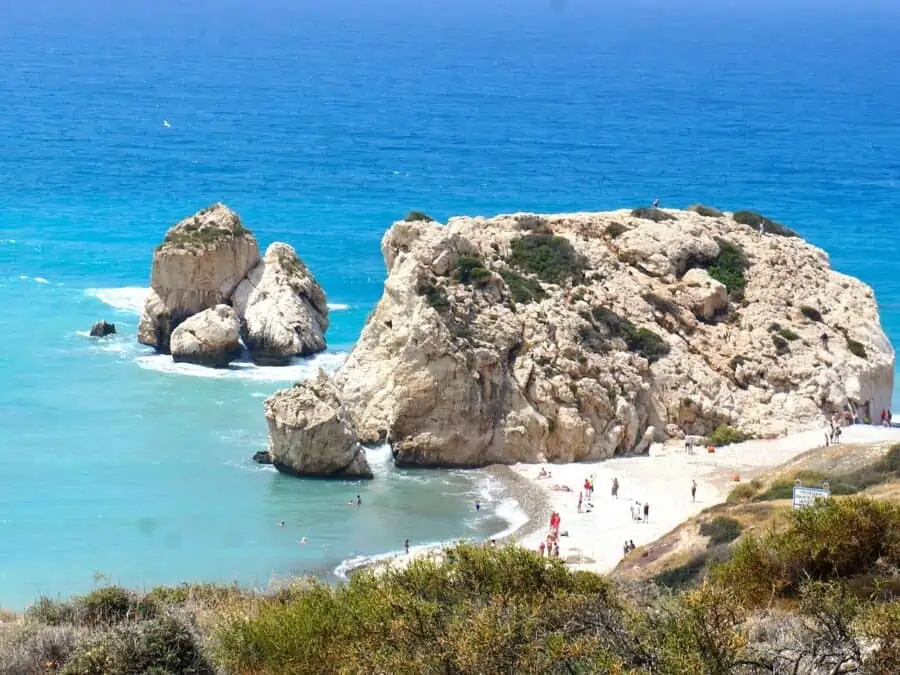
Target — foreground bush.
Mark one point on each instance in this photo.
(549, 258)
(706, 211)
(729, 267)
(721, 530)
(652, 213)
(754, 220)
(416, 216)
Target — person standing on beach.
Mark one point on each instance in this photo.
(615, 488)
(693, 490)
(406, 546)
(358, 500)
(580, 494)
(541, 548)
(646, 512)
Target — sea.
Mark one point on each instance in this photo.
(321, 122)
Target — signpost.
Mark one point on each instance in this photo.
(807, 496)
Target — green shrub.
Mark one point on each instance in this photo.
(164, 645)
(651, 213)
(523, 289)
(50, 612)
(833, 539)
(788, 334)
(707, 211)
(741, 493)
(781, 345)
(781, 489)
(614, 230)
(417, 216)
(721, 530)
(435, 295)
(753, 219)
(108, 606)
(551, 259)
(729, 266)
(857, 348)
(684, 575)
(533, 223)
(726, 435)
(470, 270)
(811, 313)
(639, 340)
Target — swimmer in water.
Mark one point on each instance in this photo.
(358, 501)
(302, 540)
(281, 524)
(478, 506)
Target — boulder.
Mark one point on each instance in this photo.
(197, 266)
(532, 338)
(310, 433)
(210, 338)
(262, 457)
(103, 328)
(706, 297)
(283, 308)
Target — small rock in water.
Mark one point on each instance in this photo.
(102, 329)
(262, 457)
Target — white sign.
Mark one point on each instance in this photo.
(807, 496)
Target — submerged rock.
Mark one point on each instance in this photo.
(103, 328)
(310, 433)
(197, 266)
(210, 338)
(283, 308)
(262, 457)
(574, 337)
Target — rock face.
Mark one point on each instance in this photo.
(210, 338)
(198, 266)
(283, 308)
(310, 433)
(575, 337)
(103, 328)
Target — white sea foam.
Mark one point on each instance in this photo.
(338, 306)
(379, 457)
(41, 280)
(299, 369)
(128, 299)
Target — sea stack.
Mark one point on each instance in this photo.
(575, 337)
(310, 433)
(197, 266)
(284, 310)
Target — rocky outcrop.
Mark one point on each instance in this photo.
(310, 433)
(283, 308)
(103, 328)
(197, 266)
(209, 338)
(574, 337)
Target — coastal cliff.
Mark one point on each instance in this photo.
(574, 337)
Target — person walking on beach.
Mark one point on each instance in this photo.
(406, 546)
(542, 547)
(358, 500)
(579, 501)
(615, 488)
(647, 512)
(693, 490)
(656, 203)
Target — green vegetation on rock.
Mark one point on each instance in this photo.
(811, 313)
(533, 223)
(857, 348)
(706, 211)
(614, 230)
(753, 219)
(552, 259)
(435, 295)
(726, 435)
(651, 213)
(470, 270)
(721, 530)
(642, 341)
(418, 216)
(729, 267)
(523, 289)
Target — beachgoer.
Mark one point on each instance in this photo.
(541, 548)
(478, 506)
(615, 488)
(406, 546)
(631, 543)
(579, 502)
(303, 541)
(693, 490)
(889, 418)
(829, 432)
(656, 203)
(647, 512)
(555, 549)
(281, 524)
(625, 548)
(824, 338)
(883, 417)
(762, 227)
(358, 500)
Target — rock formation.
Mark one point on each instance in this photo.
(103, 328)
(198, 265)
(310, 433)
(575, 337)
(209, 338)
(283, 308)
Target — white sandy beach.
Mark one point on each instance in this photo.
(663, 479)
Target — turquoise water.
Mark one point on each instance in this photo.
(321, 124)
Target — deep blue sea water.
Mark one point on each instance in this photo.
(320, 123)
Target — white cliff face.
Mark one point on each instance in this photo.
(209, 338)
(310, 433)
(640, 343)
(198, 266)
(283, 308)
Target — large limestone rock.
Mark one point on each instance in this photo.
(310, 433)
(283, 308)
(470, 358)
(197, 266)
(209, 338)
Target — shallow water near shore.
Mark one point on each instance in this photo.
(321, 124)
